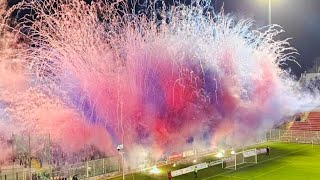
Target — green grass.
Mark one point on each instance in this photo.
(286, 161)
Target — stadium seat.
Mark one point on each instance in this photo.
(312, 123)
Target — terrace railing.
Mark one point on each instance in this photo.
(298, 136)
(106, 166)
(111, 166)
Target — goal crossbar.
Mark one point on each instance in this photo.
(242, 157)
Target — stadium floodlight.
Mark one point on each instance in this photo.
(219, 155)
(194, 161)
(174, 165)
(120, 147)
(232, 152)
(154, 170)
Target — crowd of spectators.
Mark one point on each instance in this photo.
(61, 158)
(55, 156)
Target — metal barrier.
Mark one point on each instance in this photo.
(36, 157)
(83, 170)
(297, 136)
(15, 173)
(88, 169)
(111, 165)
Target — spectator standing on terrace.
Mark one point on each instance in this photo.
(169, 175)
(75, 177)
(268, 150)
(195, 172)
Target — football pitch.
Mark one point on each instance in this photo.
(286, 161)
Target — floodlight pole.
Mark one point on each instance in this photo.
(29, 160)
(13, 143)
(256, 155)
(121, 151)
(269, 13)
(235, 162)
(123, 175)
(50, 160)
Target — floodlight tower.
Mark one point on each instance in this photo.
(269, 12)
(121, 151)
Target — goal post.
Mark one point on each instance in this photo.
(242, 157)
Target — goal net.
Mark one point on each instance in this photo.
(247, 156)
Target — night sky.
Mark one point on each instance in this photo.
(299, 18)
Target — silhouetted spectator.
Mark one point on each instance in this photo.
(195, 172)
(169, 175)
(75, 177)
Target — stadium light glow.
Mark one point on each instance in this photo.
(155, 170)
(219, 155)
(194, 161)
(232, 152)
(174, 165)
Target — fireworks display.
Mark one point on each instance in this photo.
(161, 79)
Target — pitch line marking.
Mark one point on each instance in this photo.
(257, 163)
(271, 171)
(237, 177)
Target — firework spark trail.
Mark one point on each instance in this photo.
(92, 71)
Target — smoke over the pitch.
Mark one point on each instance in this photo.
(100, 75)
